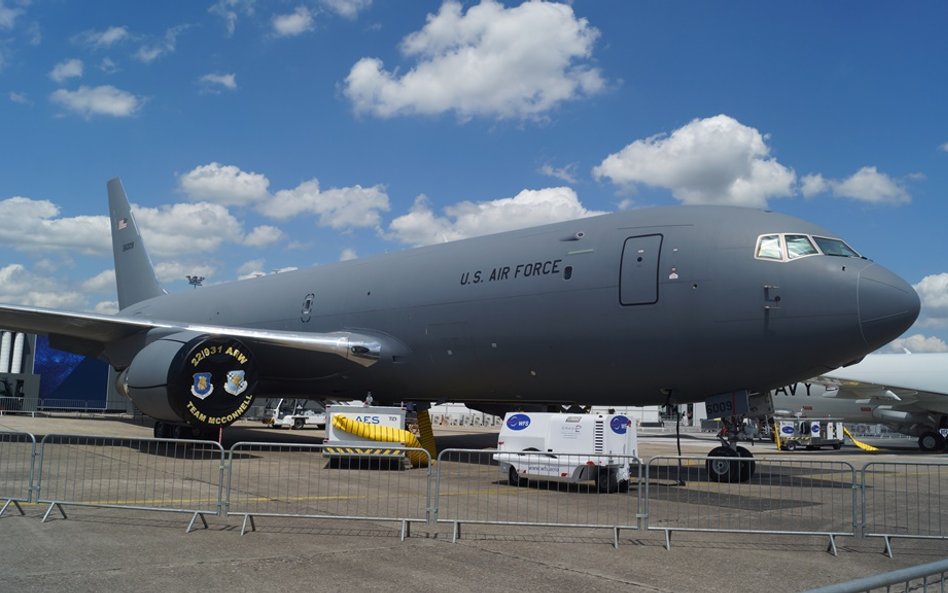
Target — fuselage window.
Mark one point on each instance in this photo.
(768, 247)
(836, 247)
(799, 246)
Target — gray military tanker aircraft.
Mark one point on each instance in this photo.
(651, 306)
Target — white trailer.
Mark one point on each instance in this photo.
(568, 447)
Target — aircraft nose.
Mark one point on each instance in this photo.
(887, 305)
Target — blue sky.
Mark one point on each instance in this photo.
(257, 136)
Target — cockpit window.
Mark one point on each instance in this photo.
(799, 246)
(835, 247)
(768, 247)
(785, 247)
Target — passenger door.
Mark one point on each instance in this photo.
(638, 280)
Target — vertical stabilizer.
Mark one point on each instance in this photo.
(134, 273)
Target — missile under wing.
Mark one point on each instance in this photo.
(659, 305)
(906, 392)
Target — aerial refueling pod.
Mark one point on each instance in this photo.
(203, 380)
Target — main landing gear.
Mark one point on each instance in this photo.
(169, 430)
(931, 441)
(730, 463)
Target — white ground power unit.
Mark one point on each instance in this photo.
(568, 447)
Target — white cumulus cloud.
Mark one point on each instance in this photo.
(187, 228)
(153, 50)
(229, 10)
(35, 225)
(104, 39)
(865, 185)
(100, 100)
(214, 82)
(348, 254)
(224, 184)
(716, 160)
(490, 61)
(349, 9)
(263, 235)
(8, 16)
(421, 226)
(933, 292)
(176, 271)
(67, 69)
(342, 207)
(296, 23)
(566, 173)
(869, 185)
(19, 98)
(917, 343)
(18, 285)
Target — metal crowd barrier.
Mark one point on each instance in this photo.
(131, 473)
(17, 451)
(272, 480)
(782, 497)
(924, 578)
(904, 500)
(471, 488)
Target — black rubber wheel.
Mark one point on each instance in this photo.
(607, 480)
(790, 446)
(514, 479)
(931, 441)
(749, 467)
(299, 423)
(163, 430)
(722, 470)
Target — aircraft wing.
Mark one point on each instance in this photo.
(90, 333)
(899, 380)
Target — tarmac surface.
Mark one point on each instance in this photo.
(119, 550)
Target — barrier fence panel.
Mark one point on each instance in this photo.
(782, 496)
(132, 473)
(904, 500)
(559, 490)
(298, 480)
(17, 451)
(924, 578)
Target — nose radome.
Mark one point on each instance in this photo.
(888, 305)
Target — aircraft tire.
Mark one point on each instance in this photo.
(931, 441)
(722, 470)
(749, 467)
(162, 430)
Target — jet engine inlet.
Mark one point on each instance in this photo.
(203, 380)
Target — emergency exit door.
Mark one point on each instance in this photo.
(638, 281)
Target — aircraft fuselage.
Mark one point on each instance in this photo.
(640, 307)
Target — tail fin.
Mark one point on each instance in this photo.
(134, 273)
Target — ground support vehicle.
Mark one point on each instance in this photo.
(567, 447)
(809, 433)
(294, 413)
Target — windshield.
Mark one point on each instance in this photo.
(786, 246)
(799, 245)
(836, 247)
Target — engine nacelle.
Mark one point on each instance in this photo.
(199, 379)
